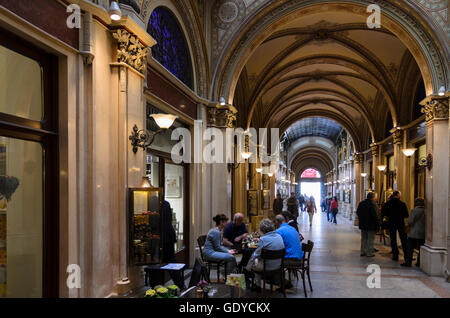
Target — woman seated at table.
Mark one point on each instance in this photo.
(270, 240)
(214, 250)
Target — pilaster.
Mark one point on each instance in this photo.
(435, 252)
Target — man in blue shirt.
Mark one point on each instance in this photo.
(291, 240)
(235, 232)
(292, 245)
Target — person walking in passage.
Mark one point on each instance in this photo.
(416, 235)
(328, 204)
(292, 205)
(368, 223)
(278, 205)
(396, 212)
(334, 209)
(311, 209)
(214, 250)
(301, 201)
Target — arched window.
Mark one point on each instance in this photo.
(310, 174)
(171, 49)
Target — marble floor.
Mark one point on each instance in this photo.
(338, 270)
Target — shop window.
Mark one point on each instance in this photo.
(171, 49)
(21, 85)
(21, 218)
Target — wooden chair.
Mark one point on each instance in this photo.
(218, 264)
(303, 267)
(199, 272)
(271, 274)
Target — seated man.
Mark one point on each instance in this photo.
(235, 232)
(270, 240)
(291, 240)
(290, 219)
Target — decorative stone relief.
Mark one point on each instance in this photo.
(436, 108)
(358, 157)
(221, 117)
(375, 150)
(130, 50)
(398, 136)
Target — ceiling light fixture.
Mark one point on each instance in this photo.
(114, 11)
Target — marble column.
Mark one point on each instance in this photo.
(434, 253)
(220, 117)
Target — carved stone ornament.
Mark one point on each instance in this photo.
(131, 51)
(375, 150)
(359, 157)
(398, 136)
(436, 108)
(221, 117)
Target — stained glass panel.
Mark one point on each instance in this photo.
(171, 48)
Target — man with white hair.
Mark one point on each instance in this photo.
(235, 232)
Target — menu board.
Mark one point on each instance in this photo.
(145, 225)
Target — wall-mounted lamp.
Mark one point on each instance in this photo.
(143, 138)
(270, 174)
(442, 91)
(364, 175)
(114, 11)
(233, 166)
(409, 152)
(259, 170)
(382, 168)
(222, 101)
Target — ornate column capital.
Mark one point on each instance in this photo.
(359, 158)
(398, 136)
(221, 116)
(375, 149)
(436, 107)
(130, 50)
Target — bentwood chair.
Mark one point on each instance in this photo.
(218, 264)
(303, 267)
(272, 275)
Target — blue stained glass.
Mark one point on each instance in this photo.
(171, 49)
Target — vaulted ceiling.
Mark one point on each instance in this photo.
(326, 64)
(315, 127)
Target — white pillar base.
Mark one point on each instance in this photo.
(433, 261)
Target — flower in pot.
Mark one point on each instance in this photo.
(151, 293)
(173, 291)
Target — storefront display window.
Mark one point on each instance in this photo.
(21, 215)
(21, 85)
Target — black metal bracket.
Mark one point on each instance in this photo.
(142, 138)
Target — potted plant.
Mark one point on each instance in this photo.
(162, 292)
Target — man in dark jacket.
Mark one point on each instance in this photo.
(368, 224)
(292, 205)
(278, 205)
(396, 212)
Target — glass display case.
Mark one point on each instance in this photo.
(145, 225)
